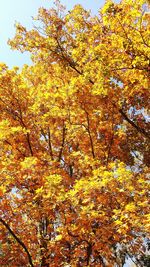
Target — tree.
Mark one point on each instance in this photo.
(74, 137)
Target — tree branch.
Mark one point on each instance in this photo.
(29, 144)
(63, 141)
(140, 130)
(49, 143)
(18, 240)
(23, 154)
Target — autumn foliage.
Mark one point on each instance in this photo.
(74, 139)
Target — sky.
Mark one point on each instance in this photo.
(12, 11)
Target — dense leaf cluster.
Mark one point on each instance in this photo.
(74, 140)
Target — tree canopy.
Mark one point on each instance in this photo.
(74, 139)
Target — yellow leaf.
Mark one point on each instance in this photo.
(28, 162)
(58, 237)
